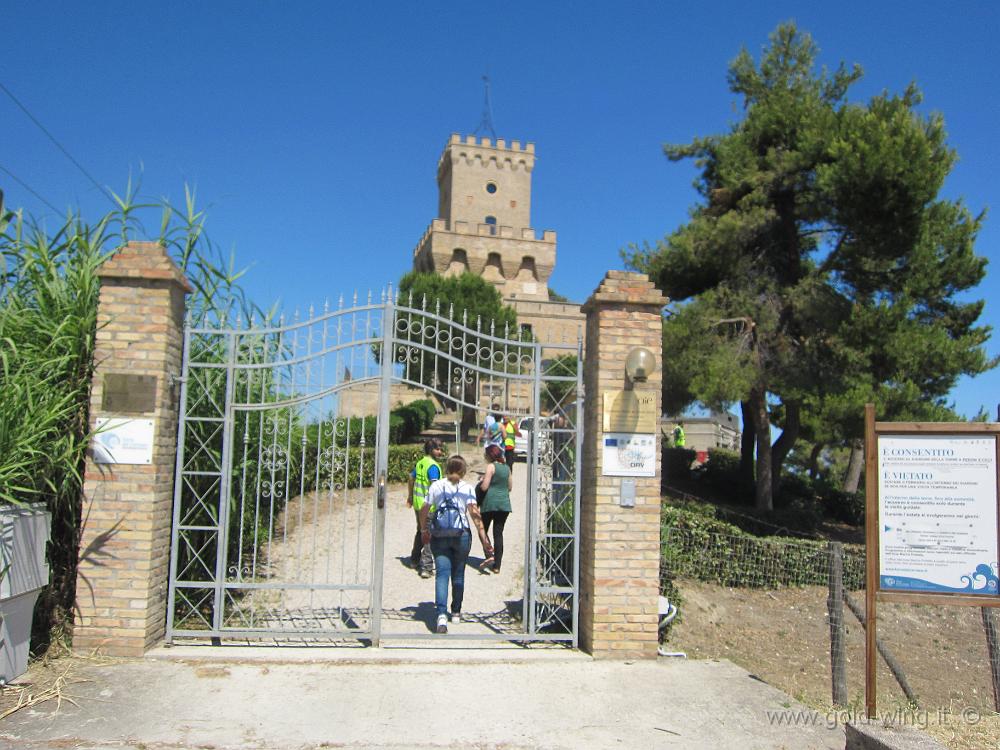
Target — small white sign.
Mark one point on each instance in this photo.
(629, 454)
(123, 441)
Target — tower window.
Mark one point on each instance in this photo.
(491, 187)
(492, 222)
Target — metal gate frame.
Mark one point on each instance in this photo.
(224, 365)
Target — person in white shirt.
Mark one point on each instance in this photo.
(446, 521)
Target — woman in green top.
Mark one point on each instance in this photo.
(496, 484)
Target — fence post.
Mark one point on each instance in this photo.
(835, 607)
(619, 529)
(993, 647)
(121, 590)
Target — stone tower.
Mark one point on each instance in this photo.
(484, 227)
(484, 219)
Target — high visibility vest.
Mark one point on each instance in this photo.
(508, 441)
(422, 482)
(679, 436)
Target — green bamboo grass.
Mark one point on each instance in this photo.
(48, 317)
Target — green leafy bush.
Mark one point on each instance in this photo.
(695, 544)
(722, 472)
(848, 507)
(415, 418)
(677, 463)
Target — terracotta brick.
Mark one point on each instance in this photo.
(122, 603)
(619, 547)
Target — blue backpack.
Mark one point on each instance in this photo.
(446, 520)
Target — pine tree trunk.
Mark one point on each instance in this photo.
(852, 477)
(763, 497)
(785, 442)
(747, 442)
(814, 461)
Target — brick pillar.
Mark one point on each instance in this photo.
(619, 546)
(125, 546)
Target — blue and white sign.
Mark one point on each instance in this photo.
(629, 454)
(938, 514)
(123, 441)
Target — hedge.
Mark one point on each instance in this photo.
(695, 544)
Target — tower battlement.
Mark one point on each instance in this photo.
(484, 152)
(483, 223)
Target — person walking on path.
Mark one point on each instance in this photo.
(492, 433)
(497, 482)
(426, 472)
(679, 439)
(510, 435)
(446, 522)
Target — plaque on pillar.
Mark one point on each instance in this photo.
(123, 441)
(629, 455)
(630, 411)
(125, 393)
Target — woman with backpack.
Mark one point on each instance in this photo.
(446, 522)
(495, 487)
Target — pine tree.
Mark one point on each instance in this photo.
(820, 269)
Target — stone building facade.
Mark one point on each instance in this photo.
(484, 227)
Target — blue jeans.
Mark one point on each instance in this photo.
(450, 556)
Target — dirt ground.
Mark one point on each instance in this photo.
(783, 637)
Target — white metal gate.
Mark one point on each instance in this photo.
(279, 499)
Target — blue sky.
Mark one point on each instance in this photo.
(312, 130)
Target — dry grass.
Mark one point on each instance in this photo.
(783, 637)
(50, 678)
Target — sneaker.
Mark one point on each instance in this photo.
(442, 624)
(486, 566)
(426, 573)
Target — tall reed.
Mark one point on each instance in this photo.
(48, 316)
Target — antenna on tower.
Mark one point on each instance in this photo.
(486, 121)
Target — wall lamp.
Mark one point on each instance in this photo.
(639, 364)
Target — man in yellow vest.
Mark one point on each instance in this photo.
(425, 473)
(510, 433)
(679, 438)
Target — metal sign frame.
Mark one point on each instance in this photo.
(873, 591)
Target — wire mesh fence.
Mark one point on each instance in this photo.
(792, 612)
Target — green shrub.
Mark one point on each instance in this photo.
(722, 472)
(677, 463)
(848, 507)
(695, 544)
(412, 421)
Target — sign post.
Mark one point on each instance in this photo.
(932, 522)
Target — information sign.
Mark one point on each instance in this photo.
(123, 441)
(628, 454)
(937, 513)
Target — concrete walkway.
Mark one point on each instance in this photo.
(278, 698)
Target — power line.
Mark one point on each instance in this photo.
(58, 145)
(28, 187)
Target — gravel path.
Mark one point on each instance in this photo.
(490, 600)
(328, 539)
